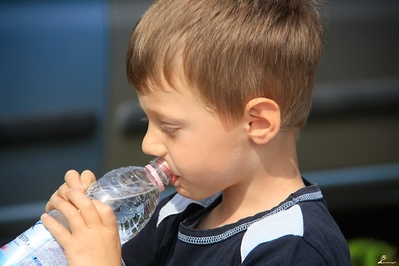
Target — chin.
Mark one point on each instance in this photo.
(183, 192)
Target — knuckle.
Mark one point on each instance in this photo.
(104, 208)
(87, 205)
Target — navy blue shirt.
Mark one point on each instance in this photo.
(299, 231)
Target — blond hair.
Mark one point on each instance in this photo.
(231, 51)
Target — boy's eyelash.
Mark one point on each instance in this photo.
(169, 131)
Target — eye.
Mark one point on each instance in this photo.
(170, 131)
(165, 128)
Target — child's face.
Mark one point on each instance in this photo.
(200, 150)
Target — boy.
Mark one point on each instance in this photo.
(226, 86)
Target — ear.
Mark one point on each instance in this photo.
(262, 118)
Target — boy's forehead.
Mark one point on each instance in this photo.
(153, 105)
(176, 96)
(160, 96)
(166, 106)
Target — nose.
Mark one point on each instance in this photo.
(152, 143)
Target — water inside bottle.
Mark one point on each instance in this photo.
(131, 195)
(133, 213)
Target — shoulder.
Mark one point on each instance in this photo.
(323, 234)
(306, 231)
(277, 235)
(285, 250)
(287, 222)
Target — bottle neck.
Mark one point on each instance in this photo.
(159, 170)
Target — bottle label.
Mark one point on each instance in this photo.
(35, 246)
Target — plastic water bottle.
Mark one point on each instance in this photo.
(132, 192)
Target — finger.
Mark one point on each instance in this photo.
(106, 214)
(86, 178)
(72, 180)
(50, 205)
(87, 210)
(72, 213)
(56, 229)
(56, 197)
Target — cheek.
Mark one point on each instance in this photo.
(206, 152)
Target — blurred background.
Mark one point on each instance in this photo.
(65, 104)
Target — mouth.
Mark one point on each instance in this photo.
(174, 179)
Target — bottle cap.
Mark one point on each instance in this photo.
(156, 177)
(160, 171)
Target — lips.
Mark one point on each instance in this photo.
(173, 180)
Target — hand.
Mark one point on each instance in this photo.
(72, 180)
(94, 239)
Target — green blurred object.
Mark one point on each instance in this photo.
(371, 252)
